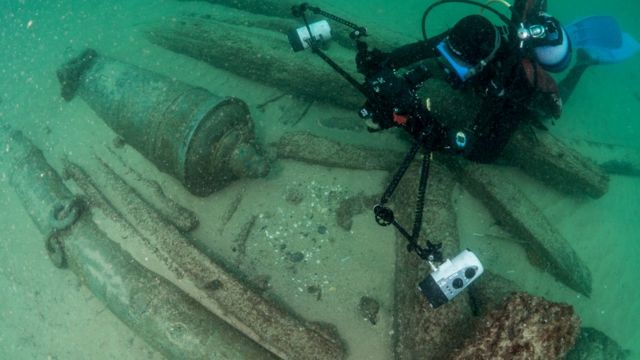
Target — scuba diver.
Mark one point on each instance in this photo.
(506, 66)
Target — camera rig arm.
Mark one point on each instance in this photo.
(299, 11)
(394, 96)
(356, 34)
(391, 99)
(384, 215)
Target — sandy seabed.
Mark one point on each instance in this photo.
(47, 313)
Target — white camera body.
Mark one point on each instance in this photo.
(451, 278)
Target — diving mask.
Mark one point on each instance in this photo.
(455, 64)
(462, 69)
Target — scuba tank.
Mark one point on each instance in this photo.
(541, 36)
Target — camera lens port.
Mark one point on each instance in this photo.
(457, 283)
(470, 272)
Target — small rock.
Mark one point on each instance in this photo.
(294, 196)
(295, 257)
(315, 289)
(369, 308)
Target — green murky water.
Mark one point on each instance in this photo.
(47, 313)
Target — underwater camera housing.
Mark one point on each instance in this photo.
(299, 38)
(451, 278)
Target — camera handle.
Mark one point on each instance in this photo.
(384, 215)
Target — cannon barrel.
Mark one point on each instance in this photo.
(160, 313)
(202, 139)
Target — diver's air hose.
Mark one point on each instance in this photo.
(502, 17)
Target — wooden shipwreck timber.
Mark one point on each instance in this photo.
(200, 310)
(167, 318)
(282, 333)
(263, 54)
(203, 311)
(195, 308)
(545, 245)
(421, 332)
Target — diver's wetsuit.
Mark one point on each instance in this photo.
(509, 85)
